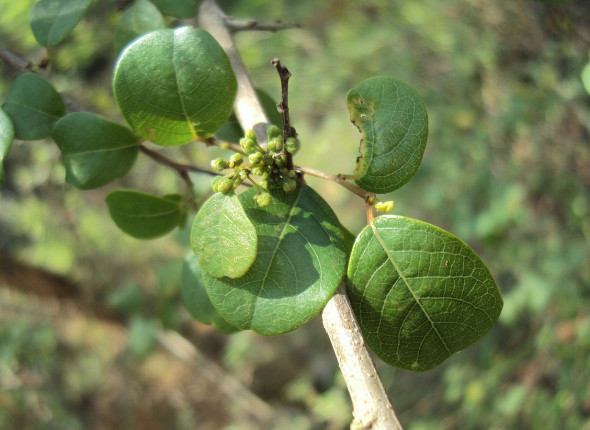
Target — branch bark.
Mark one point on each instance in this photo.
(371, 407)
(247, 106)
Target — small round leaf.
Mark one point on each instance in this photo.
(419, 293)
(95, 151)
(139, 18)
(393, 121)
(173, 86)
(301, 260)
(223, 237)
(144, 216)
(53, 20)
(34, 106)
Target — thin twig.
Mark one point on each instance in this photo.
(335, 178)
(283, 106)
(15, 61)
(182, 169)
(236, 25)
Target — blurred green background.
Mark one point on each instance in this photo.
(86, 313)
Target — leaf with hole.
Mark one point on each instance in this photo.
(6, 138)
(419, 293)
(223, 237)
(53, 20)
(174, 86)
(144, 216)
(301, 260)
(393, 121)
(94, 150)
(139, 18)
(195, 298)
(33, 105)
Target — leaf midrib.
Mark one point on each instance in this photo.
(407, 284)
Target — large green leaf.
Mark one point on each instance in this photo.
(301, 260)
(177, 8)
(223, 237)
(144, 216)
(419, 293)
(173, 86)
(33, 106)
(140, 18)
(53, 20)
(195, 298)
(6, 138)
(392, 119)
(94, 150)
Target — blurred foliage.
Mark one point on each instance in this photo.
(507, 168)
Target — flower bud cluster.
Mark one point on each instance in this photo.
(269, 164)
(384, 206)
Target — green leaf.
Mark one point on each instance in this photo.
(140, 18)
(53, 20)
(95, 151)
(195, 298)
(223, 237)
(144, 216)
(141, 338)
(6, 138)
(173, 86)
(586, 77)
(301, 260)
(34, 106)
(392, 119)
(419, 293)
(177, 8)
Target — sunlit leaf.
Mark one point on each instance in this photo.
(139, 18)
(34, 106)
(144, 216)
(392, 119)
(6, 138)
(53, 20)
(173, 86)
(94, 150)
(195, 298)
(419, 293)
(178, 8)
(223, 237)
(301, 260)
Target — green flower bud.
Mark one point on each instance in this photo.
(280, 160)
(225, 185)
(263, 200)
(243, 175)
(276, 144)
(292, 145)
(248, 145)
(251, 134)
(235, 160)
(219, 164)
(384, 206)
(289, 185)
(255, 157)
(272, 131)
(291, 174)
(215, 182)
(258, 171)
